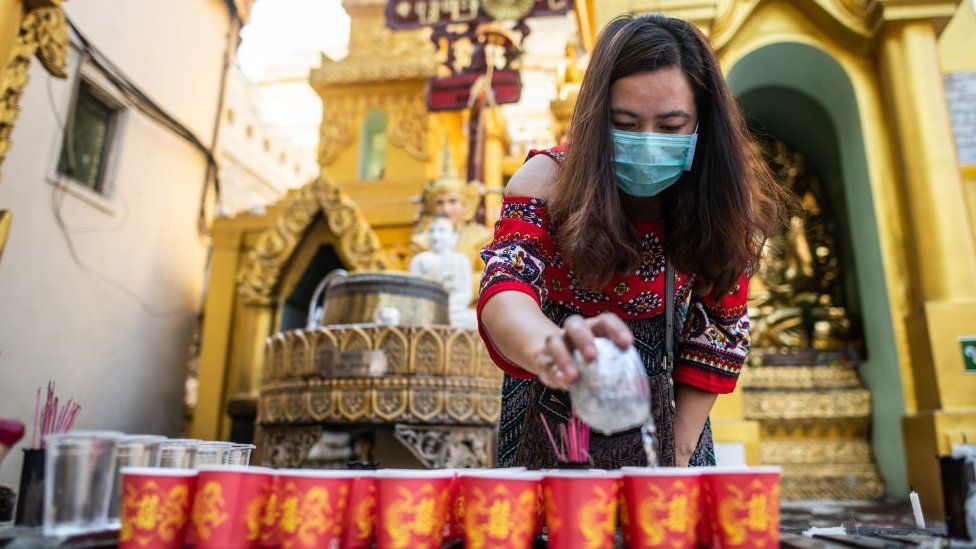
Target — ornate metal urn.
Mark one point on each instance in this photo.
(422, 387)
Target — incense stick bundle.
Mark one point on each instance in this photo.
(574, 443)
(52, 417)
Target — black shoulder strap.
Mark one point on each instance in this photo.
(669, 305)
(669, 343)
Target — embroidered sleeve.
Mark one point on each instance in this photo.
(715, 342)
(514, 261)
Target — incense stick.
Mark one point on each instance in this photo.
(552, 440)
(54, 417)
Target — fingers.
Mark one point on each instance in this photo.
(561, 371)
(610, 326)
(579, 336)
(557, 368)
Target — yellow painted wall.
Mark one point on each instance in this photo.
(956, 52)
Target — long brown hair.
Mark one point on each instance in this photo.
(717, 215)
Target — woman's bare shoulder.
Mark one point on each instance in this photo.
(535, 178)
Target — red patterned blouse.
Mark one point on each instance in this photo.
(524, 257)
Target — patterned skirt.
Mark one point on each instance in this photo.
(522, 440)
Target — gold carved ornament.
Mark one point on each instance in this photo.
(378, 54)
(44, 32)
(833, 404)
(358, 245)
(409, 132)
(336, 132)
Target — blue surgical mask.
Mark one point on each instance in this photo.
(646, 164)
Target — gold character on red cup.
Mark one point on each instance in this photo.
(597, 517)
(664, 512)
(152, 514)
(254, 515)
(364, 518)
(309, 514)
(209, 509)
(493, 518)
(749, 509)
(410, 516)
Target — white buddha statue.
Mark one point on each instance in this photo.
(442, 262)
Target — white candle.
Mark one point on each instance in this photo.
(917, 509)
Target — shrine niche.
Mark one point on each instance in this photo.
(798, 299)
(803, 385)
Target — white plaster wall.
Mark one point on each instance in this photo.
(252, 175)
(124, 365)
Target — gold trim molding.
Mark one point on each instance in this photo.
(438, 351)
(434, 374)
(785, 405)
(357, 243)
(801, 377)
(815, 451)
(834, 482)
(44, 33)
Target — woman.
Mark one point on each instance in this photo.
(658, 168)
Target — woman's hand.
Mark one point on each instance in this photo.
(554, 363)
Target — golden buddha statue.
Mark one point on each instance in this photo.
(452, 197)
(797, 298)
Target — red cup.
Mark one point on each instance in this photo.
(229, 507)
(660, 507)
(499, 508)
(413, 506)
(581, 508)
(359, 529)
(459, 506)
(155, 507)
(744, 505)
(312, 507)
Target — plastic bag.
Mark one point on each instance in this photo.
(612, 393)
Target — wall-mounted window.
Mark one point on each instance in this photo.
(372, 147)
(89, 138)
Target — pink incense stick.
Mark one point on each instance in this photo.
(552, 440)
(37, 413)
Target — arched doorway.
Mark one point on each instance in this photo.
(800, 96)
